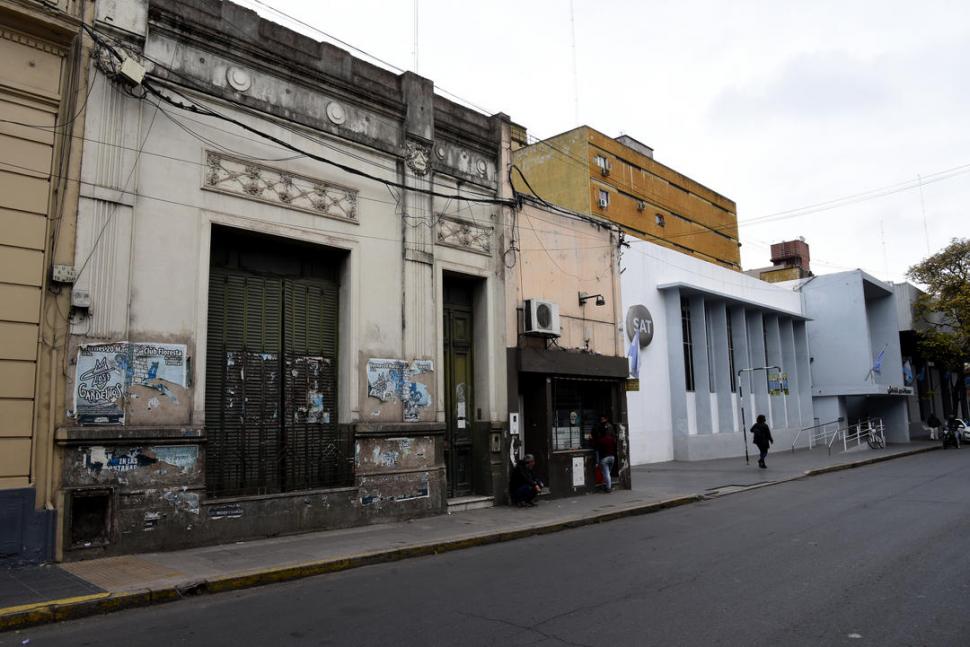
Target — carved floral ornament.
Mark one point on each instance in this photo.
(418, 158)
(248, 179)
(454, 232)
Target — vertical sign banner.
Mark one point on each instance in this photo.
(777, 383)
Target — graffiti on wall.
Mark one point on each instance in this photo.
(107, 374)
(394, 379)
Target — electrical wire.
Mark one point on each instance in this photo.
(199, 108)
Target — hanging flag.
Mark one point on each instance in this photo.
(634, 355)
(907, 373)
(877, 365)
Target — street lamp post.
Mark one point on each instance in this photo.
(744, 431)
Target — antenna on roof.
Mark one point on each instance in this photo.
(572, 22)
(415, 51)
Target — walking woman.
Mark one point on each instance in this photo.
(762, 439)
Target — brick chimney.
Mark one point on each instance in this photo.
(791, 253)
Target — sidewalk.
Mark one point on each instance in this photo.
(50, 593)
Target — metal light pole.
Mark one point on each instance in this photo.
(744, 431)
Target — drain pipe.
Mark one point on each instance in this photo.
(51, 425)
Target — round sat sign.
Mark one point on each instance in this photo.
(638, 319)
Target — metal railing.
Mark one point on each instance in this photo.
(870, 430)
(818, 434)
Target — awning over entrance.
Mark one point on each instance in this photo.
(560, 362)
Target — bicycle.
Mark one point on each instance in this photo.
(875, 439)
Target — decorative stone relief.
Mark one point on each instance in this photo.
(463, 234)
(336, 113)
(227, 174)
(482, 168)
(418, 158)
(239, 79)
(440, 152)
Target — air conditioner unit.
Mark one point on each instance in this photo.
(604, 203)
(541, 318)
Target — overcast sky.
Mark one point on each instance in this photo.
(777, 105)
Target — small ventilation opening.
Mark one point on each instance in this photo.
(90, 517)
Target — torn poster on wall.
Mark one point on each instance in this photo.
(395, 379)
(107, 372)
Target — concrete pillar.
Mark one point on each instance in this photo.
(675, 361)
(722, 366)
(702, 380)
(420, 308)
(790, 366)
(806, 405)
(776, 403)
(742, 359)
(755, 381)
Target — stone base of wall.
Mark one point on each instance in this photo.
(151, 492)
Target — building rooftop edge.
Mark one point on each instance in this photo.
(692, 287)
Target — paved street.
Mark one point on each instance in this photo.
(875, 555)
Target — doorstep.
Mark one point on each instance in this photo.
(474, 502)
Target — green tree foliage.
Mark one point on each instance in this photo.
(945, 307)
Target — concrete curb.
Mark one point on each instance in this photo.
(870, 461)
(32, 615)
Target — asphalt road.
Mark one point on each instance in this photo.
(871, 556)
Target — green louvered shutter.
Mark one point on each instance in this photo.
(315, 455)
(243, 385)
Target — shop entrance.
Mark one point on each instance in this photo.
(459, 378)
(271, 367)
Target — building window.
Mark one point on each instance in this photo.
(604, 198)
(600, 161)
(661, 221)
(711, 373)
(688, 343)
(577, 405)
(730, 338)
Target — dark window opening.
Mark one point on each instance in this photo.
(90, 517)
(688, 344)
(730, 338)
(711, 368)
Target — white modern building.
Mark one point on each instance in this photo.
(856, 362)
(700, 325)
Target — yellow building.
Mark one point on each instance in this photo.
(586, 171)
(41, 67)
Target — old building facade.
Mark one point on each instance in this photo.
(618, 179)
(566, 371)
(42, 90)
(296, 311)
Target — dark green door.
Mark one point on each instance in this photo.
(271, 371)
(459, 388)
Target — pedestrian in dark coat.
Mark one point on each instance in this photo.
(524, 485)
(762, 439)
